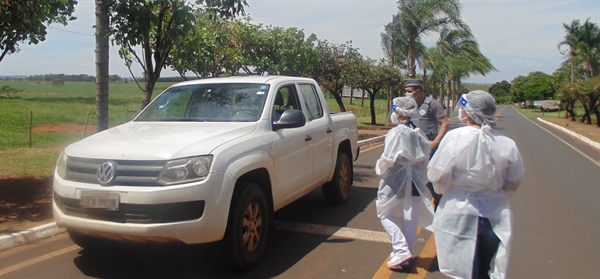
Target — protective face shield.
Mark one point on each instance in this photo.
(480, 111)
(455, 115)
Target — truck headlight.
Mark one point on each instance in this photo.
(61, 165)
(185, 170)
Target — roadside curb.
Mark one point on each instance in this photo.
(48, 230)
(571, 133)
(371, 140)
(30, 235)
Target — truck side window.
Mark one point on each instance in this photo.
(311, 100)
(285, 98)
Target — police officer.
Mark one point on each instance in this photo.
(430, 118)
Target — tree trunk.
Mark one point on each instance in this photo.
(586, 112)
(148, 93)
(102, 49)
(338, 98)
(448, 96)
(372, 106)
(591, 104)
(570, 109)
(411, 58)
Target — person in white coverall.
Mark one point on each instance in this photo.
(475, 169)
(402, 193)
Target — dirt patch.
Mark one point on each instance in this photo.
(63, 128)
(24, 203)
(591, 132)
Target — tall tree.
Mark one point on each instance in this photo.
(375, 76)
(214, 49)
(588, 47)
(419, 18)
(457, 53)
(281, 51)
(336, 65)
(570, 40)
(25, 20)
(589, 89)
(156, 26)
(102, 78)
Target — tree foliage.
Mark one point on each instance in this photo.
(583, 58)
(418, 18)
(538, 86)
(26, 20)
(375, 76)
(501, 92)
(156, 26)
(336, 67)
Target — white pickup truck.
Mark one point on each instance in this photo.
(208, 160)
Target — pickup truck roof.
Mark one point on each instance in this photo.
(245, 79)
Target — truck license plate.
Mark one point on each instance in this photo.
(99, 199)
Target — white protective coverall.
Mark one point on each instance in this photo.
(474, 169)
(404, 159)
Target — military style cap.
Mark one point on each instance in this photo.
(413, 83)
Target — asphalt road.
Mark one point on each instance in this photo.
(556, 229)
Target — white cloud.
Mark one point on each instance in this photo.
(527, 63)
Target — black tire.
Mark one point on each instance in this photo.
(337, 190)
(87, 242)
(247, 227)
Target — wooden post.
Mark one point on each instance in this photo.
(126, 115)
(30, 124)
(87, 120)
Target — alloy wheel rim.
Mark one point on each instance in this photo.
(344, 178)
(251, 227)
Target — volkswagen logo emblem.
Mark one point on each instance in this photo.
(106, 172)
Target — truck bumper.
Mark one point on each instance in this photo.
(190, 213)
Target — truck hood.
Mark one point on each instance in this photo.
(158, 140)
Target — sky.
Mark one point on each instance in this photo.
(518, 36)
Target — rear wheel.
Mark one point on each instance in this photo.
(247, 227)
(337, 190)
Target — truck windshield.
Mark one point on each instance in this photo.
(224, 102)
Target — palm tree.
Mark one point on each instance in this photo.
(417, 18)
(588, 47)
(457, 54)
(570, 40)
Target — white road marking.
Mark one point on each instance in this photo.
(38, 259)
(333, 231)
(568, 144)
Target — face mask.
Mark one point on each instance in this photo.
(410, 95)
(462, 119)
(394, 118)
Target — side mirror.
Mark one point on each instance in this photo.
(291, 118)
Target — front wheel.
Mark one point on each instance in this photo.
(247, 227)
(337, 190)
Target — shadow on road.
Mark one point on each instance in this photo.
(284, 248)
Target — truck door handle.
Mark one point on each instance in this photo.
(329, 130)
(308, 138)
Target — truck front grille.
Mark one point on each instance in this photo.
(128, 172)
(135, 213)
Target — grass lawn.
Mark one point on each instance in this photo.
(59, 113)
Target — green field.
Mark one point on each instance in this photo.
(70, 104)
